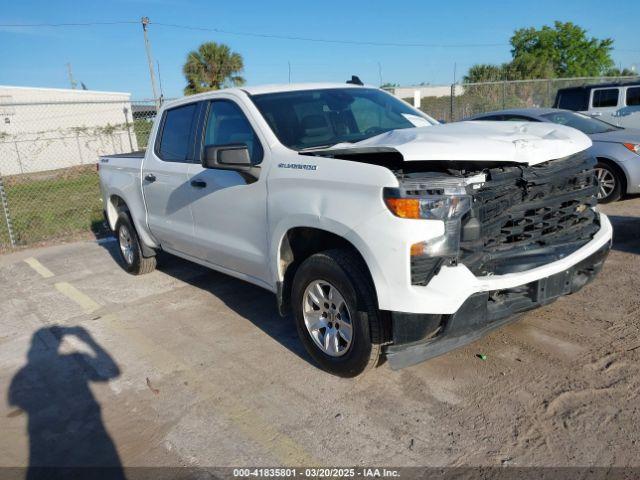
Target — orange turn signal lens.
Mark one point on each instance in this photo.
(417, 249)
(404, 207)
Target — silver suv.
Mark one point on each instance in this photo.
(614, 103)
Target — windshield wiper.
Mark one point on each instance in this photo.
(318, 147)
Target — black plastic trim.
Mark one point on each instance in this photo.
(486, 311)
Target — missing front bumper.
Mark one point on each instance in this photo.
(420, 337)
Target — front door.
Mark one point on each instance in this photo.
(167, 192)
(230, 209)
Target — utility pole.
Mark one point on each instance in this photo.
(73, 83)
(380, 72)
(147, 45)
(289, 63)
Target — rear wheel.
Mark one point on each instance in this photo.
(130, 248)
(335, 311)
(609, 183)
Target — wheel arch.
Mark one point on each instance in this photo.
(117, 204)
(618, 168)
(297, 244)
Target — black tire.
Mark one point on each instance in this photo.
(344, 270)
(137, 264)
(615, 194)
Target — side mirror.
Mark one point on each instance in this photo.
(227, 157)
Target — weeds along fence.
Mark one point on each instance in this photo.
(467, 99)
(49, 186)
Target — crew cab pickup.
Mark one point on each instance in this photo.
(381, 231)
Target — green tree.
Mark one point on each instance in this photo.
(616, 72)
(484, 72)
(563, 50)
(211, 67)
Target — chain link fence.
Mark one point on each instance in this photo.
(467, 99)
(49, 186)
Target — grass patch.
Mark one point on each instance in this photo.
(53, 205)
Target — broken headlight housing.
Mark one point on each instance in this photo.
(438, 197)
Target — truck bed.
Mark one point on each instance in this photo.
(136, 154)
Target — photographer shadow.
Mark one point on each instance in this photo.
(67, 436)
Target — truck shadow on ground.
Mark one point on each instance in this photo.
(249, 301)
(626, 233)
(65, 426)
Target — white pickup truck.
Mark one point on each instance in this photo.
(380, 230)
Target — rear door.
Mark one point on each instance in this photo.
(604, 104)
(629, 115)
(165, 178)
(229, 208)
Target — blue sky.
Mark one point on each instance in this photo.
(113, 57)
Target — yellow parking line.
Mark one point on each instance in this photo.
(38, 267)
(87, 304)
(251, 424)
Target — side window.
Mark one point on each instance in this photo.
(576, 100)
(227, 125)
(494, 118)
(606, 97)
(177, 138)
(633, 96)
(519, 118)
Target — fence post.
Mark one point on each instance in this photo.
(504, 94)
(15, 144)
(7, 217)
(452, 102)
(125, 110)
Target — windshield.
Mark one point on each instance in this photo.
(581, 122)
(317, 118)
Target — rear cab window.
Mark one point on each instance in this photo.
(177, 134)
(633, 96)
(605, 97)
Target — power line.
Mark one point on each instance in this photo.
(77, 24)
(275, 36)
(255, 34)
(326, 40)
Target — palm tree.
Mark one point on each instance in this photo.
(211, 67)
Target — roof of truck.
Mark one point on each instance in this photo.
(292, 87)
(260, 89)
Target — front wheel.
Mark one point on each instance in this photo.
(130, 248)
(335, 311)
(609, 183)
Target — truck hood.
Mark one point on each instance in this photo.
(475, 141)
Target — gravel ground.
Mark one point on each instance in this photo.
(188, 367)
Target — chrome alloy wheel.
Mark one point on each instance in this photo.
(126, 244)
(606, 182)
(327, 318)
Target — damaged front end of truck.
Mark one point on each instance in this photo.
(500, 219)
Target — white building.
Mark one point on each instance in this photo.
(49, 128)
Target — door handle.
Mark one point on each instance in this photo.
(596, 114)
(198, 184)
(150, 177)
